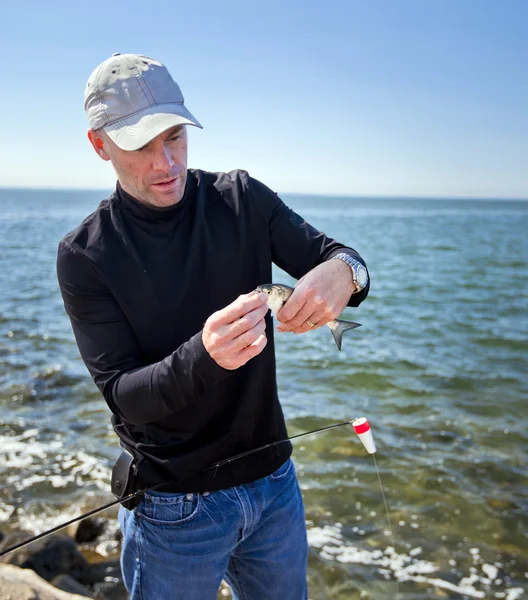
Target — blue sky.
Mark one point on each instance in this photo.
(390, 97)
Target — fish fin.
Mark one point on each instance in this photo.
(338, 327)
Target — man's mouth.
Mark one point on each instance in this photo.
(167, 184)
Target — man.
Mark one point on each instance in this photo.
(158, 285)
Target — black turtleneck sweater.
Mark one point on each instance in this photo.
(138, 283)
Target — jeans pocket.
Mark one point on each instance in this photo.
(283, 471)
(170, 510)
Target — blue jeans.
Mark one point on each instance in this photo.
(181, 546)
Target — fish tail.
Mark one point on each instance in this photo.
(338, 327)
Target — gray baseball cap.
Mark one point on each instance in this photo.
(134, 98)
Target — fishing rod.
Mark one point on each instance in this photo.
(360, 426)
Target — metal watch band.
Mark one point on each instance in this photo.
(359, 273)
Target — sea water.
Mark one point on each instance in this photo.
(439, 368)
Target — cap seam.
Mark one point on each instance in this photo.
(142, 83)
(145, 88)
(135, 71)
(100, 96)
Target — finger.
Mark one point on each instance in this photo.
(239, 308)
(302, 316)
(249, 337)
(254, 349)
(244, 324)
(318, 319)
(292, 306)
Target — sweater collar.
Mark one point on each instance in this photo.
(150, 213)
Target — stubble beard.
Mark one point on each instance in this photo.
(146, 195)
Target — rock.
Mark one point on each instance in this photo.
(105, 581)
(24, 584)
(48, 557)
(58, 560)
(90, 529)
(349, 450)
(100, 572)
(69, 584)
(12, 539)
(108, 548)
(103, 536)
(110, 590)
(501, 504)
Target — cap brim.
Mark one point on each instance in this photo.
(134, 132)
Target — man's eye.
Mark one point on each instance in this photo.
(175, 137)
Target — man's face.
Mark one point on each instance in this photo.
(155, 174)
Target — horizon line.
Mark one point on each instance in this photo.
(356, 195)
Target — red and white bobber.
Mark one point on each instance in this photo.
(362, 428)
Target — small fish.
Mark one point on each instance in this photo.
(279, 294)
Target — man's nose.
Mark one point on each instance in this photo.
(162, 160)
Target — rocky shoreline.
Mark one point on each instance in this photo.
(82, 563)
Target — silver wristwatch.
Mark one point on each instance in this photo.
(359, 272)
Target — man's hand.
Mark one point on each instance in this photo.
(319, 297)
(237, 333)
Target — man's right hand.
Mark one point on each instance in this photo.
(235, 334)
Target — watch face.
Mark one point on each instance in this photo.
(362, 276)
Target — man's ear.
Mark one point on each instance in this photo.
(98, 144)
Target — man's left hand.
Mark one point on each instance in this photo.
(319, 297)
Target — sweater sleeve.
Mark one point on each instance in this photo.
(297, 247)
(139, 393)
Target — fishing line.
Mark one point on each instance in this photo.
(388, 519)
(221, 463)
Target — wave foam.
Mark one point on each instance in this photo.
(25, 461)
(405, 567)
